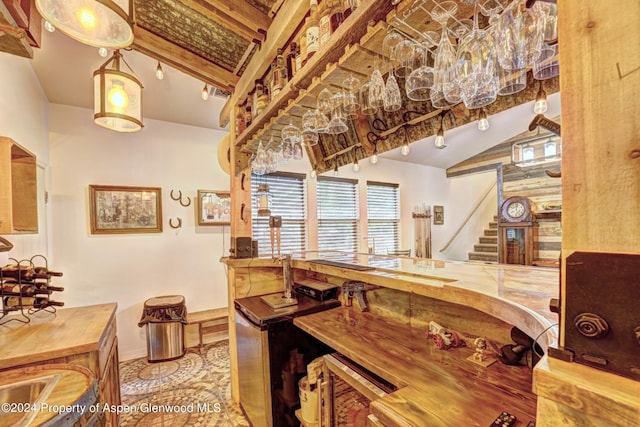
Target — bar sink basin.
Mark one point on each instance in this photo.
(25, 399)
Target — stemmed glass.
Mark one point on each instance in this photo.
(389, 49)
(445, 91)
(392, 97)
(337, 124)
(376, 89)
(419, 83)
(365, 104)
(351, 86)
(519, 33)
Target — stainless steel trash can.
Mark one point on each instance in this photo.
(165, 318)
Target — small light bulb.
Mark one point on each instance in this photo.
(313, 173)
(335, 170)
(159, 72)
(118, 97)
(540, 106)
(49, 26)
(374, 158)
(483, 121)
(356, 166)
(205, 92)
(439, 142)
(405, 149)
(103, 52)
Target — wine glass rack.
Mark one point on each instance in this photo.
(26, 288)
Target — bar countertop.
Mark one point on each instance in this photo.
(67, 332)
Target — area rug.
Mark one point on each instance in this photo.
(191, 391)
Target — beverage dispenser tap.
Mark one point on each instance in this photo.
(287, 298)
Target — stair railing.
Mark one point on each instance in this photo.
(473, 211)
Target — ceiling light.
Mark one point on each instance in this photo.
(99, 23)
(483, 121)
(405, 149)
(374, 157)
(356, 166)
(103, 52)
(439, 141)
(159, 72)
(205, 92)
(117, 96)
(49, 26)
(335, 168)
(540, 107)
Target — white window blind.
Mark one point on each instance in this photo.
(383, 213)
(337, 214)
(289, 200)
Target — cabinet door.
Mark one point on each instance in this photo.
(109, 385)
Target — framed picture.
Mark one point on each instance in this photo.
(438, 215)
(117, 209)
(213, 207)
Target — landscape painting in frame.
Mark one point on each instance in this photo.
(120, 209)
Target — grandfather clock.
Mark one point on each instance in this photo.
(517, 231)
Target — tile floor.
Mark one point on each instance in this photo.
(191, 391)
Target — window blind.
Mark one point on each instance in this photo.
(383, 213)
(289, 200)
(337, 214)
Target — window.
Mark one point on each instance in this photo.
(289, 201)
(383, 212)
(337, 214)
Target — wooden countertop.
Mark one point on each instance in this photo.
(518, 295)
(439, 387)
(67, 332)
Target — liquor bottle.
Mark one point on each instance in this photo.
(55, 288)
(281, 66)
(291, 60)
(262, 96)
(276, 82)
(349, 7)
(313, 42)
(247, 113)
(324, 31)
(298, 58)
(336, 14)
(240, 125)
(303, 44)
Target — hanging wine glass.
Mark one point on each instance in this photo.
(419, 83)
(324, 101)
(365, 105)
(351, 86)
(475, 67)
(445, 59)
(546, 66)
(337, 124)
(392, 97)
(297, 151)
(376, 89)
(309, 137)
(404, 53)
(510, 81)
(290, 134)
(519, 35)
(389, 44)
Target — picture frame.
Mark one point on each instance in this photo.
(213, 207)
(438, 215)
(125, 210)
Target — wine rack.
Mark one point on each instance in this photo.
(26, 288)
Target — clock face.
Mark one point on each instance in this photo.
(515, 210)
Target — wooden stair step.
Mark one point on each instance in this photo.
(491, 232)
(489, 240)
(483, 256)
(486, 248)
(493, 225)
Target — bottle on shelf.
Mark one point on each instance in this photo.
(298, 58)
(247, 113)
(44, 270)
(240, 125)
(313, 41)
(336, 14)
(349, 7)
(262, 95)
(324, 23)
(280, 78)
(291, 60)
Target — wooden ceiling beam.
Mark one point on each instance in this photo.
(189, 63)
(238, 16)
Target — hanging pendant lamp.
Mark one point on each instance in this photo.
(99, 23)
(117, 96)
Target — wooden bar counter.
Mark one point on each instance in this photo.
(83, 336)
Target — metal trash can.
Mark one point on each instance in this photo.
(165, 318)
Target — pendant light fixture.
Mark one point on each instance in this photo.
(335, 167)
(405, 147)
(356, 166)
(540, 107)
(205, 92)
(439, 141)
(264, 200)
(117, 96)
(99, 23)
(483, 121)
(159, 72)
(374, 157)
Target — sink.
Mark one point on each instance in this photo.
(26, 398)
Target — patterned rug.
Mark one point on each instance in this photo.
(191, 391)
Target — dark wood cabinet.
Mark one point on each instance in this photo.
(517, 242)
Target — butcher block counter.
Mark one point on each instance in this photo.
(82, 336)
(436, 387)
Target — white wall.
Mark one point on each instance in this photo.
(24, 118)
(130, 268)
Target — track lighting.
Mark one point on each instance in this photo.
(483, 121)
(540, 107)
(205, 92)
(159, 72)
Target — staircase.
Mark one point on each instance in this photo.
(487, 248)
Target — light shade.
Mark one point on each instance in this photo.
(117, 96)
(99, 23)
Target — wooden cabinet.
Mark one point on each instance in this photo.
(517, 243)
(18, 189)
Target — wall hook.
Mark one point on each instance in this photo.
(242, 213)
(176, 198)
(175, 226)
(179, 198)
